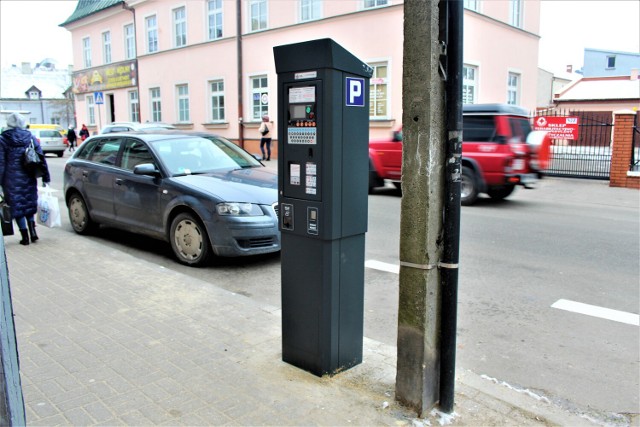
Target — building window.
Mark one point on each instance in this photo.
(55, 120)
(106, 47)
(259, 97)
(156, 104)
(513, 89)
(182, 95)
(180, 26)
(310, 10)
(378, 92)
(134, 106)
(611, 62)
(214, 8)
(469, 84)
(258, 14)
(86, 52)
(216, 94)
(368, 4)
(91, 110)
(34, 95)
(472, 5)
(515, 13)
(129, 41)
(151, 25)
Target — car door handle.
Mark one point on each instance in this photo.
(119, 181)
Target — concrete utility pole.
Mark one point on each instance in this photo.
(421, 223)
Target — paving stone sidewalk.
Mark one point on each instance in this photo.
(105, 338)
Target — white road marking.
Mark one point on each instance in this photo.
(595, 311)
(383, 266)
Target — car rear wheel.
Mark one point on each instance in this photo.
(468, 187)
(499, 193)
(60, 153)
(189, 240)
(79, 215)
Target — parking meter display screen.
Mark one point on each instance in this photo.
(297, 112)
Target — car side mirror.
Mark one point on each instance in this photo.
(146, 169)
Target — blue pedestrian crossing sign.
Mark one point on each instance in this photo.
(98, 97)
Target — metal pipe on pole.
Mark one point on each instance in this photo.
(451, 218)
(239, 65)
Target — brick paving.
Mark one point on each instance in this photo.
(105, 338)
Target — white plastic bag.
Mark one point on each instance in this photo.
(48, 209)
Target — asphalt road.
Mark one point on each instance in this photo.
(573, 240)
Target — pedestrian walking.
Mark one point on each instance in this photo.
(19, 187)
(84, 132)
(71, 137)
(265, 141)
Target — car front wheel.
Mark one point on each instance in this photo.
(468, 187)
(79, 215)
(189, 240)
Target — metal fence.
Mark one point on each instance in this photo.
(589, 156)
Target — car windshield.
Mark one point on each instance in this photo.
(198, 155)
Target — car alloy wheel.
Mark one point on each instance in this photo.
(79, 215)
(189, 240)
(468, 187)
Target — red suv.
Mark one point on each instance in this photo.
(499, 151)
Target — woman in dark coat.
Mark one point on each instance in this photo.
(20, 188)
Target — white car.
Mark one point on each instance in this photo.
(134, 126)
(50, 140)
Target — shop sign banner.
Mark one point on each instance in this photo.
(108, 77)
(559, 127)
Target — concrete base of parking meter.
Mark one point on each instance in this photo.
(322, 303)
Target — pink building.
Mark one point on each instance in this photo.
(182, 62)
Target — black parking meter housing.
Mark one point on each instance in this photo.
(323, 133)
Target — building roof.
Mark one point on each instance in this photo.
(15, 84)
(89, 7)
(601, 89)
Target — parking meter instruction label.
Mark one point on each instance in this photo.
(294, 173)
(299, 95)
(311, 178)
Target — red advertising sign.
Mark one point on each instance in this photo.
(559, 127)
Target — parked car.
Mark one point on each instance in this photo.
(50, 140)
(499, 151)
(133, 126)
(206, 196)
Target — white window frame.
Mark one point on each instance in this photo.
(179, 19)
(472, 83)
(609, 58)
(256, 94)
(155, 101)
(216, 101)
(106, 47)
(262, 14)
(91, 110)
(311, 8)
(86, 52)
(34, 94)
(374, 83)
(513, 91)
(372, 4)
(129, 41)
(55, 120)
(134, 105)
(472, 5)
(182, 103)
(217, 14)
(151, 33)
(516, 12)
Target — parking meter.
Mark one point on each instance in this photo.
(323, 129)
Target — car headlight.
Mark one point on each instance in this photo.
(232, 208)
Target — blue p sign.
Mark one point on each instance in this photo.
(355, 92)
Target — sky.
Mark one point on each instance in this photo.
(567, 27)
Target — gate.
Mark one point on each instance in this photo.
(590, 155)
